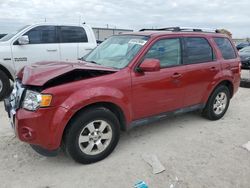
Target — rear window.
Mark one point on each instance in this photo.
(225, 47)
(71, 34)
(197, 50)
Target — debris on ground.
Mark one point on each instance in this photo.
(154, 162)
(15, 156)
(141, 184)
(176, 181)
(246, 146)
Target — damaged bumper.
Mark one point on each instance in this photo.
(43, 128)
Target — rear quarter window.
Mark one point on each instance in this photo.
(225, 47)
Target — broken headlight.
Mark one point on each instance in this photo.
(34, 100)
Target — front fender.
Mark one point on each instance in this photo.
(77, 100)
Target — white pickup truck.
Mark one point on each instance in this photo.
(42, 42)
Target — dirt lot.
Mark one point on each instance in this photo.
(200, 153)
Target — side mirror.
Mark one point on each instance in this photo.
(23, 40)
(149, 65)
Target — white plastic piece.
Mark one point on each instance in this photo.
(154, 162)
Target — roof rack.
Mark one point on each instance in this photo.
(174, 29)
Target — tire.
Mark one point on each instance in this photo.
(218, 103)
(92, 135)
(4, 85)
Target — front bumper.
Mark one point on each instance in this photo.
(43, 127)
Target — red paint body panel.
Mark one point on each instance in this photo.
(40, 73)
(138, 95)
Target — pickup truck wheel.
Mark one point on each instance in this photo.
(4, 85)
(217, 104)
(92, 135)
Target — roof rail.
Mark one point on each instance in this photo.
(183, 29)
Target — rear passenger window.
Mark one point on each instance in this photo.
(197, 50)
(225, 47)
(168, 51)
(73, 34)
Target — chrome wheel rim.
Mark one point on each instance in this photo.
(1, 85)
(220, 103)
(95, 137)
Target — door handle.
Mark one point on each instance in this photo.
(51, 50)
(213, 68)
(176, 75)
(89, 49)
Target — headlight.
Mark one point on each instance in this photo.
(34, 100)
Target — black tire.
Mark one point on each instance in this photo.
(5, 91)
(79, 124)
(209, 111)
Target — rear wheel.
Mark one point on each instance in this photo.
(4, 85)
(218, 103)
(92, 135)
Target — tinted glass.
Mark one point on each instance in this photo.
(42, 34)
(197, 50)
(73, 34)
(168, 51)
(225, 47)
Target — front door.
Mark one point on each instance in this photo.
(43, 46)
(162, 91)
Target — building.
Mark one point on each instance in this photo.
(102, 33)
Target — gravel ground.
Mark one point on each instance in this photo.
(195, 152)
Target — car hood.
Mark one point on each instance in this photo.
(40, 73)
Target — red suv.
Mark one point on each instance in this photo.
(128, 80)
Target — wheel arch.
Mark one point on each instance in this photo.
(226, 83)
(109, 105)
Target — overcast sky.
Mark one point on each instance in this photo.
(233, 15)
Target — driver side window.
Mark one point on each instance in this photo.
(168, 51)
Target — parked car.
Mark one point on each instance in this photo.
(242, 45)
(41, 42)
(245, 57)
(128, 80)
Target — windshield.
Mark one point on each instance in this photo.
(117, 51)
(10, 35)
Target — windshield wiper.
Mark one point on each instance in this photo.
(82, 59)
(92, 62)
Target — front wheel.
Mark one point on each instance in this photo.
(218, 103)
(4, 85)
(92, 135)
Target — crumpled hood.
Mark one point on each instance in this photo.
(40, 73)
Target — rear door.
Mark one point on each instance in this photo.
(43, 46)
(162, 91)
(73, 42)
(202, 69)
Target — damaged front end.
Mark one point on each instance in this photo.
(32, 80)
